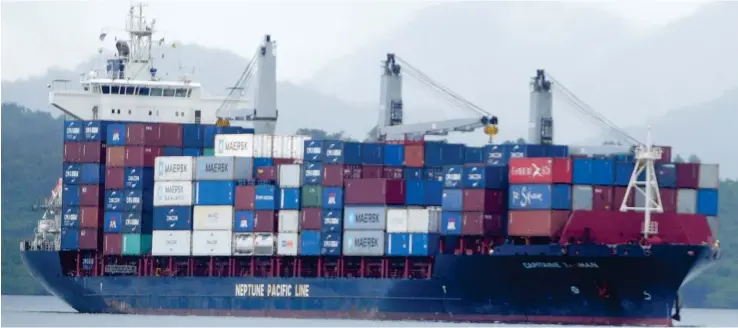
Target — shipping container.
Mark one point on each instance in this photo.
(72, 174)
(113, 222)
(536, 223)
(208, 135)
(287, 244)
(452, 176)
(312, 173)
(484, 200)
(389, 172)
(371, 172)
(340, 152)
(113, 244)
(72, 152)
(311, 196)
(223, 168)
(666, 175)
(219, 217)
(372, 153)
(265, 221)
(331, 221)
(453, 200)
(74, 131)
(290, 176)
(239, 145)
(543, 170)
(415, 192)
(245, 197)
(192, 136)
(138, 200)
(264, 244)
(116, 134)
(115, 178)
(686, 201)
(485, 177)
(137, 222)
(424, 220)
(70, 217)
(374, 192)
(142, 134)
(415, 155)
(313, 150)
(173, 193)
(593, 171)
(707, 202)
(688, 175)
(311, 218)
(394, 155)
(171, 151)
(243, 244)
(136, 244)
(709, 176)
(244, 221)
(90, 195)
(289, 221)
(333, 175)
(208, 152)
(332, 198)
(453, 154)
(618, 195)
(433, 153)
(141, 156)
(267, 198)
(266, 173)
(89, 239)
(665, 154)
(171, 243)
(263, 162)
(474, 155)
(115, 156)
(669, 199)
(170, 134)
(70, 195)
(602, 198)
(330, 244)
(364, 217)
(95, 130)
(263, 145)
(433, 174)
(289, 199)
(623, 172)
(211, 243)
(92, 152)
(412, 244)
(398, 244)
(309, 243)
(70, 239)
(192, 152)
(433, 193)
(172, 218)
(539, 197)
(363, 242)
(497, 154)
(351, 172)
(582, 198)
(397, 220)
(174, 168)
(214, 192)
(525, 150)
(139, 178)
(482, 224)
(92, 174)
(90, 217)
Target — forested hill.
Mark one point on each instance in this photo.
(31, 165)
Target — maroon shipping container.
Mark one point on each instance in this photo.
(389, 172)
(170, 135)
(93, 152)
(89, 238)
(688, 175)
(618, 193)
(265, 221)
(245, 198)
(141, 156)
(115, 156)
(281, 161)
(332, 175)
(484, 200)
(115, 178)
(351, 172)
(665, 154)
(266, 173)
(482, 224)
(90, 195)
(90, 217)
(113, 244)
(374, 192)
(311, 219)
(669, 200)
(414, 155)
(602, 198)
(72, 152)
(536, 223)
(371, 172)
(142, 134)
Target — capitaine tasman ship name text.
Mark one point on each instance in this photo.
(560, 265)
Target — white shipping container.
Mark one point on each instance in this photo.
(709, 176)
(171, 243)
(424, 220)
(211, 243)
(219, 217)
(686, 201)
(174, 168)
(263, 144)
(290, 176)
(234, 145)
(173, 193)
(243, 244)
(397, 220)
(289, 221)
(281, 146)
(287, 243)
(264, 244)
(298, 147)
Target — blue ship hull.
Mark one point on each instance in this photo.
(613, 290)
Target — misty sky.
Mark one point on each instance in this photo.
(37, 35)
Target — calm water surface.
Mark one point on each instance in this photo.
(38, 311)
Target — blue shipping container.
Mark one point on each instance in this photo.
(137, 222)
(114, 200)
(497, 154)
(594, 171)
(394, 155)
(433, 173)
(313, 150)
(115, 134)
(332, 221)
(95, 130)
(312, 173)
(666, 175)
(558, 151)
(70, 217)
(474, 155)
(707, 202)
(452, 200)
(194, 152)
(139, 178)
(289, 199)
(93, 174)
(214, 192)
(113, 222)
(70, 195)
(192, 136)
(540, 197)
(267, 198)
(330, 244)
(332, 198)
(69, 239)
(73, 131)
(208, 136)
(310, 243)
(413, 173)
(262, 162)
(423, 244)
(525, 150)
(451, 223)
(340, 152)
(372, 153)
(72, 174)
(171, 151)
(433, 193)
(453, 154)
(415, 192)
(486, 177)
(397, 244)
(137, 200)
(452, 176)
(172, 218)
(433, 153)
(243, 221)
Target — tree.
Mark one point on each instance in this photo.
(678, 159)
(693, 159)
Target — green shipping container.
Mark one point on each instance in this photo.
(135, 244)
(208, 152)
(311, 196)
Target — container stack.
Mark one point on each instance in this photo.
(173, 189)
(83, 185)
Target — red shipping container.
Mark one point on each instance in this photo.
(266, 173)
(481, 224)
(374, 192)
(669, 200)
(115, 156)
(414, 155)
(665, 154)
(245, 198)
(332, 175)
(536, 223)
(141, 156)
(143, 134)
(540, 170)
(389, 172)
(72, 152)
(90, 195)
(113, 244)
(90, 217)
(93, 152)
(688, 175)
(115, 178)
(351, 172)
(618, 193)
(371, 172)
(311, 219)
(280, 161)
(602, 198)
(265, 221)
(484, 200)
(170, 134)
(88, 238)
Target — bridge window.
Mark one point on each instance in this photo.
(181, 93)
(149, 113)
(189, 93)
(156, 92)
(114, 89)
(168, 92)
(130, 90)
(105, 89)
(144, 91)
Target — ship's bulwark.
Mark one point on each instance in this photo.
(632, 290)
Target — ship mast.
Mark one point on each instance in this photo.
(137, 52)
(649, 187)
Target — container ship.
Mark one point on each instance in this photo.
(175, 203)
